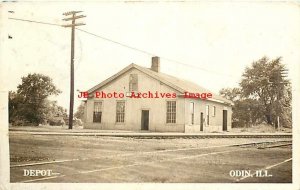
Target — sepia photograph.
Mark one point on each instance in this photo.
(199, 93)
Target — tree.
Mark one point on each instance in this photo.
(245, 111)
(80, 112)
(263, 95)
(54, 113)
(263, 82)
(232, 94)
(14, 107)
(29, 103)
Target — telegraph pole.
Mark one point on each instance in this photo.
(72, 26)
(279, 81)
(283, 75)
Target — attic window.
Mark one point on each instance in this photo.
(133, 82)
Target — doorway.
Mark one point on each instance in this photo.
(201, 121)
(224, 120)
(145, 120)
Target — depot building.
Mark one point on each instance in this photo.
(180, 113)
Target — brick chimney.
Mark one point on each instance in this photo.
(155, 64)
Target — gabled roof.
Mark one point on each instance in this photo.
(178, 84)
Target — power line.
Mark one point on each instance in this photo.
(133, 48)
(152, 54)
(200, 68)
(121, 44)
(38, 22)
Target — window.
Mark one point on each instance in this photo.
(192, 113)
(97, 112)
(207, 114)
(120, 112)
(171, 111)
(133, 82)
(214, 111)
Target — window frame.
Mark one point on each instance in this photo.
(100, 111)
(171, 113)
(207, 114)
(214, 111)
(117, 113)
(133, 77)
(192, 113)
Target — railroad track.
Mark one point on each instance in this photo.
(159, 135)
(275, 146)
(205, 136)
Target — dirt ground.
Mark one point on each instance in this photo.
(115, 159)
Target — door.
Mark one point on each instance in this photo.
(145, 120)
(201, 121)
(224, 120)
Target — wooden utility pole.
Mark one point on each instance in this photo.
(283, 75)
(73, 25)
(278, 82)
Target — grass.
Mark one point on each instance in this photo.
(261, 128)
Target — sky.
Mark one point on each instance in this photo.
(218, 40)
